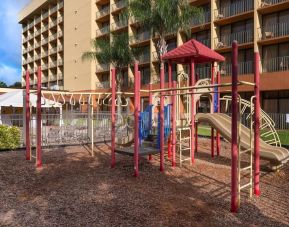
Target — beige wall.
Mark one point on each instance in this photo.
(79, 30)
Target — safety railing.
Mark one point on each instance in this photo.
(233, 9)
(265, 3)
(102, 84)
(275, 64)
(227, 40)
(102, 67)
(118, 5)
(143, 58)
(102, 31)
(243, 68)
(118, 25)
(206, 18)
(142, 36)
(274, 30)
(102, 12)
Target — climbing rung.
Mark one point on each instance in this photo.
(186, 159)
(185, 149)
(185, 138)
(246, 168)
(245, 151)
(245, 186)
(32, 156)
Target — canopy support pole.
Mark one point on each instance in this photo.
(113, 97)
(38, 120)
(27, 117)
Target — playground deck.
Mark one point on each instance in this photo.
(75, 189)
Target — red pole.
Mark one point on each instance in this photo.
(196, 137)
(219, 110)
(162, 128)
(113, 97)
(192, 67)
(212, 129)
(136, 118)
(170, 86)
(174, 123)
(170, 74)
(150, 103)
(257, 127)
(234, 143)
(38, 120)
(27, 116)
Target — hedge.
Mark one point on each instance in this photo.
(9, 137)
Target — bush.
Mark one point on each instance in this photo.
(9, 137)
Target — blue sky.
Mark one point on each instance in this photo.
(10, 40)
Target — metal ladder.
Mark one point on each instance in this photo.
(184, 144)
(245, 172)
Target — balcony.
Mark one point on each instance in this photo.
(206, 42)
(102, 84)
(275, 64)
(30, 60)
(102, 12)
(225, 41)
(38, 20)
(30, 37)
(53, 23)
(60, 62)
(44, 54)
(53, 10)
(200, 21)
(243, 68)
(142, 36)
(266, 3)
(52, 77)
(60, 76)
(45, 15)
(203, 71)
(60, 48)
(53, 37)
(102, 31)
(44, 28)
(44, 41)
(31, 25)
(233, 9)
(102, 68)
(25, 40)
(59, 34)
(37, 57)
(44, 67)
(274, 31)
(37, 33)
(24, 51)
(53, 50)
(44, 79)
(118, 6)
(30, 48)
(24, 62)
(60, 20)
(25, 28)
(119, 25)
(37, 45)
(143, 58)
(60, 5)
(53, 64)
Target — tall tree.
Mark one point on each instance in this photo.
(164, 17)
(3, 84)
(117, 52)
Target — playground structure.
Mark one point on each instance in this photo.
(179, 130)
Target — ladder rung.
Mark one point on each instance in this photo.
(246, 168)
(245, 186)
(186, 159)
(185, 138)
(185, 149)
(32, 156)
(245, 151)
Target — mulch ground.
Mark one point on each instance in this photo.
(75, 189)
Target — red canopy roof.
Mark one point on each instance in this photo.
(193, 50)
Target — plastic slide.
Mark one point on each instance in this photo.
(222, 123)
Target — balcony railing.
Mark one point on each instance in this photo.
(119, 24)
(102, 84)
(274, 30)
(25, 28)
(243, 68)
(143, 58)
(60, 48)
(60, 62)
(118, 5)
(44, 54)
(206, 42)
(102, 67)
(45, 15)
(53, 50)
(53, 64)
(53, 36)
(36, 45)
(60, 19)
(60, 5)
(102, 12)
(234, 9)
(44, 28)
(25, 40)
(38, 32)
(44, 41)
(31, 25)
(265, 3)
(171, 46)
(30, 48)
(37, 57)
(241, 37)
(52, 77)
(102, 31)
(53, 23)
(37, 20)
(142, 36)
(205, 19)
(276, 64)
(53, 10)
(30, 37)
(44, 67)
(44, 79)
(59, 34)
(203, 71)
(60, 76)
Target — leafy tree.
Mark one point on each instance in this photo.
(16, 85)
(164, 17)
(117, 52)
(3, 84)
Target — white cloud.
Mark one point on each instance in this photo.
(9, 74)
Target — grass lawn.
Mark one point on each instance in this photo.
(283, 135)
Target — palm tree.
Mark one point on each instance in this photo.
(164, 17)
(117, 52)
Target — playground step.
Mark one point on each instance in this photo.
(246, 168)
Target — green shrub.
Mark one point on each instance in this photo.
(9, 137)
